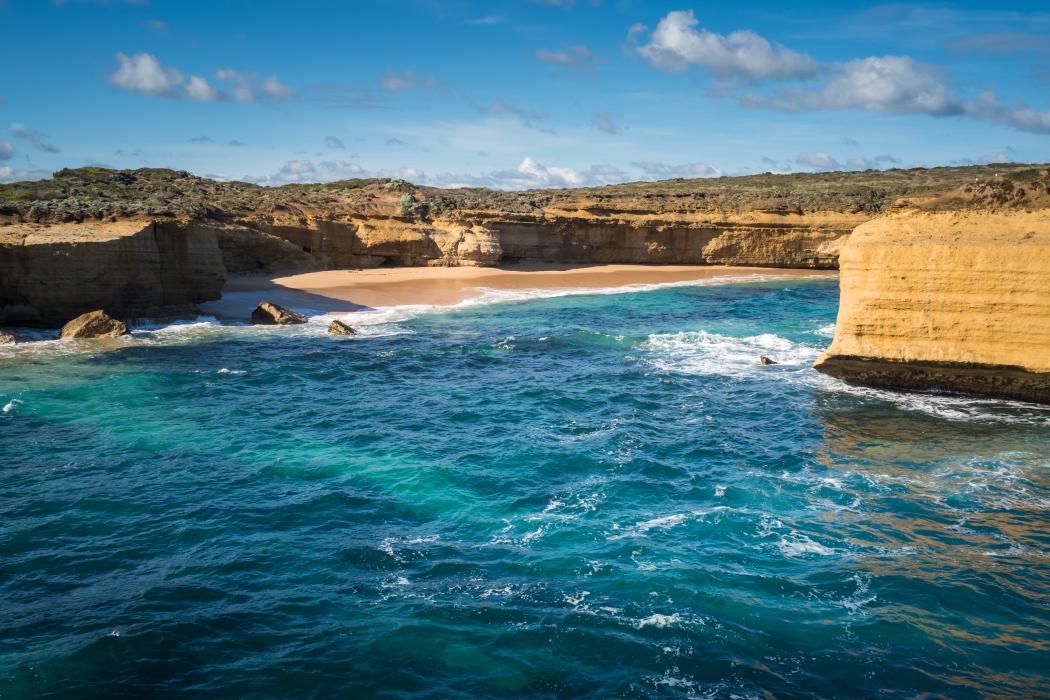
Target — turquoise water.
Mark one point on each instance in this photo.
(599, 495)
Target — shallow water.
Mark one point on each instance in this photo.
(592, 495)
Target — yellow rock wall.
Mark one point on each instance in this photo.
(946, 300)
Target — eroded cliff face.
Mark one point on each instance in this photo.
(52, 272)
(493, 238)
(947, 300)
(49, 274)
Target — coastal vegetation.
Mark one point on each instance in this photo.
(100, 193)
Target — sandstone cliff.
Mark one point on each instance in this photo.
(947, 300)
(51, 273)
(145, 241)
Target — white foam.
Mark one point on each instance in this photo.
(659, 621)
(701, 352)
(11, 405)
(827, 331)
(664, 523)
(966, 409)
(797, 544)
(489, 295)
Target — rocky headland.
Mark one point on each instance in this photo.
(950, 293)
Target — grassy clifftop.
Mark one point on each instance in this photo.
(100, 193)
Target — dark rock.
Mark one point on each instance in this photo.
(273, 315)
(766, 361)
(94, 324)
(340, 328)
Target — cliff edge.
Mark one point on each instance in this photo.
(951, 294)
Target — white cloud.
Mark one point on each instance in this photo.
(299, 171)
(822, 162)
(246, 87)
(275, 89)
(6, 150)
(144, 74)
(889, 84)
(818, 161)
(9, 174)
(900, 85)
(1020, 116)
(334, 142)
(529, 174)
(664, 170)
(743, 55)
(198, 89)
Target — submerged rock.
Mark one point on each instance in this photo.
(273, 315)
(94, 324)
(340, 328)
(767, 361)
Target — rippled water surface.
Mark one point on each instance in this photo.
(598, 495)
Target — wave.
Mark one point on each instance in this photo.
(704, 353)
(701, 352)
(956, 408)
(489, 295)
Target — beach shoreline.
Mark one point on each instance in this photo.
(348, 290)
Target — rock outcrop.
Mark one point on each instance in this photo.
(50, 273)
(947, 300)
(94, 324)
(340, 328)
(268, 314)
(9, 338)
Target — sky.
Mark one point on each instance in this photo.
(517, 94)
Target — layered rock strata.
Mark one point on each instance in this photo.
(947, 300)
(51, 273)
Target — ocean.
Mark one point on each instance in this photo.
(537, 494)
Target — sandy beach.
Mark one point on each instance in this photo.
(335, 291)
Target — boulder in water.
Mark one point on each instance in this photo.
(273, 315)
(10, 338)
(340, 328)
(767, 361)
(94, 324)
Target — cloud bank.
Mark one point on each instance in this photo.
(881, 84)
(144, 74)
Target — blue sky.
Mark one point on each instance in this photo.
(515, 94)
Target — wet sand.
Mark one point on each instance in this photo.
(335, 291)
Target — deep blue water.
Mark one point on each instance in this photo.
(588, 496)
